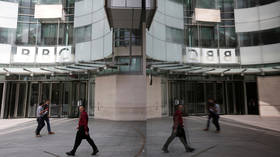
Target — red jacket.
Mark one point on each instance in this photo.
(177, 119)
(83, 121)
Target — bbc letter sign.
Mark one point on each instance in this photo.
(228, 56)
(25, 55)
(192, 55)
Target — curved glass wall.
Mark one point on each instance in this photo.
(252, 3)
(256, 38)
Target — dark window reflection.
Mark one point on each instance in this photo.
(264, 37)
(83, 34)
(122, 37)
(253, 3)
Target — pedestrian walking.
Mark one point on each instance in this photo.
(47, 115)
(83, 133)
(177, 131)
(213, 113)
(41, 112)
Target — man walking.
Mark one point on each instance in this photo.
(178, 131)
(46, 116)
(41, 112)
(213, 113)
(83, 133)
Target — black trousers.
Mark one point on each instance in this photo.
(80, 136)
(215, 120)
(40, 125)
(178, 133)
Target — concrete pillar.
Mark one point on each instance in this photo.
(3, 100)
(120, 97)
(269, 96)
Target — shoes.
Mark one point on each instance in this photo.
(70, 153)
(50, 133)
(217, 131)
(38, 135)
(95, 152)
(205, 129)
(190, 149)
(165, 150)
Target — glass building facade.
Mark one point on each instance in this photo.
(59, 58)
(210, 35)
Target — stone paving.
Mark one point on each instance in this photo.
(133, 139)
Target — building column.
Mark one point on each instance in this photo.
(234, 98)
(3, 100)
(25, 100)
(245, 97)
(16, 102)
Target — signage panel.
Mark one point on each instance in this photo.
(209, 56)
(5, 53)
(51, 11)
(192, 55)
(207, 15)
(64, 54)
(25, 55)
(45, 55)
(228, 56)
(8, 14)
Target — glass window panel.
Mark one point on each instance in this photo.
(174, 35)
(227, 15)
(65, 34)
(270, 36)
(50, 1)
(230, 37)
(134, 67)
(7, 35)
(222, 37)
(191, 36)
(49, 34)
(28, 11)
(83, 34)
(208, 36)
(206, 4)
(26, 34)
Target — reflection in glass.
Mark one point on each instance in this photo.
(174, 35)
(122, 37)
(134, 67)
(208, 37)
(49, 34)
(7, 35)
(33, 103)
(21, 99)
(83, 34)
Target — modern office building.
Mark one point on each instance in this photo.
(136, 59)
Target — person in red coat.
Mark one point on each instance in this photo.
(178, 131)
(83, 133)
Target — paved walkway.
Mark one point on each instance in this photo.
(272, 123)
(235, 139)
(126, 139)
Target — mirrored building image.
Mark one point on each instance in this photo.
(135, 59)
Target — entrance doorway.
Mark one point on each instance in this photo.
(252, 98)
(23, 98)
